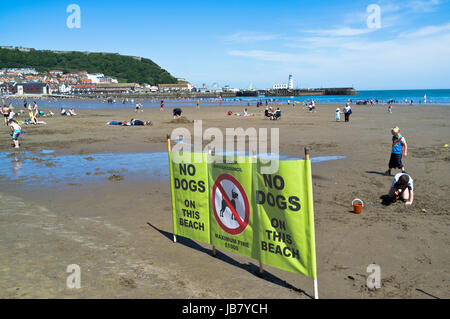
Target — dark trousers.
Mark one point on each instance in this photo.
(347, 117)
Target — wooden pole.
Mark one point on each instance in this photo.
(316, 286)
(214, 252)
(169, 148)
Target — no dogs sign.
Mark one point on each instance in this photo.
(230, 204)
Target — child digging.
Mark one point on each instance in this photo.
(399, 147)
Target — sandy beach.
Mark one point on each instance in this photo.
(117, 224)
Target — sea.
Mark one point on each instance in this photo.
(406, 97)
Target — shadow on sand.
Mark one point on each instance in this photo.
(386, 200)
(374, 172)
(250, 267)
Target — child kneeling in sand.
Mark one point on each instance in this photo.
(402, 187)
(15, 127)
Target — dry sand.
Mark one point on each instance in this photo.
(119, 231)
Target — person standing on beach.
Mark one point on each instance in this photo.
(198, 103)
(347, 112)
(35, 110)
(5, 110)
(15, 127)
(399, 147)
(338, 115)
(31, 115)
(138, 107)
(390, 108)
(161, 108)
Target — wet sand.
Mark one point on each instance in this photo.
(119, 230)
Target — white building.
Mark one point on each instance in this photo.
(280, 86)
(64, 88)
(95, 78)
(23, 71)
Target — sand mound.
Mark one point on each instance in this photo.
(116, 178)
(181, 120)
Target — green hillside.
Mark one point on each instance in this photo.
(124, 68)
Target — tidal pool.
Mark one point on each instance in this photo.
(47, 168)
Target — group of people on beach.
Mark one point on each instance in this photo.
(9, 117)
(33, 113)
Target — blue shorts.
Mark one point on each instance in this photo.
(16, 135)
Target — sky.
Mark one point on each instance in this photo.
(386, 44)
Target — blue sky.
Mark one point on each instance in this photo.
(321, 43)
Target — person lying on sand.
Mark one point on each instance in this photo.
(132, 122)
(244, 114)
(402, 187)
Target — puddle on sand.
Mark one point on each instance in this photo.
(52, 170)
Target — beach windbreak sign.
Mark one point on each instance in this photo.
(233, 206)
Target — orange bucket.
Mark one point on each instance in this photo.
(357, 207)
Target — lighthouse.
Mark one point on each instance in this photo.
(291, 82)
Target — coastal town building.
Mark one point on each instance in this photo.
(56, 73)
(280, 86)
(116, 88)
(31, 88)
(175, 87)
(285, 86)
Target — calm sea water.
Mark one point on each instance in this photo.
(434, 97)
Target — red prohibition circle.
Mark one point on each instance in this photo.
(243, 224)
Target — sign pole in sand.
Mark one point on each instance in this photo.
(316, 288)
(214, 253)
(169, 148)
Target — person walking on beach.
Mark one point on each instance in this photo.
(399, 147)
(198, 103)
(161, 108)
(35, 109)
(338, 115)
(5, 110)
(390, 108)
(347, 112)
(402, 187)
(15, 127)
(138, 107)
